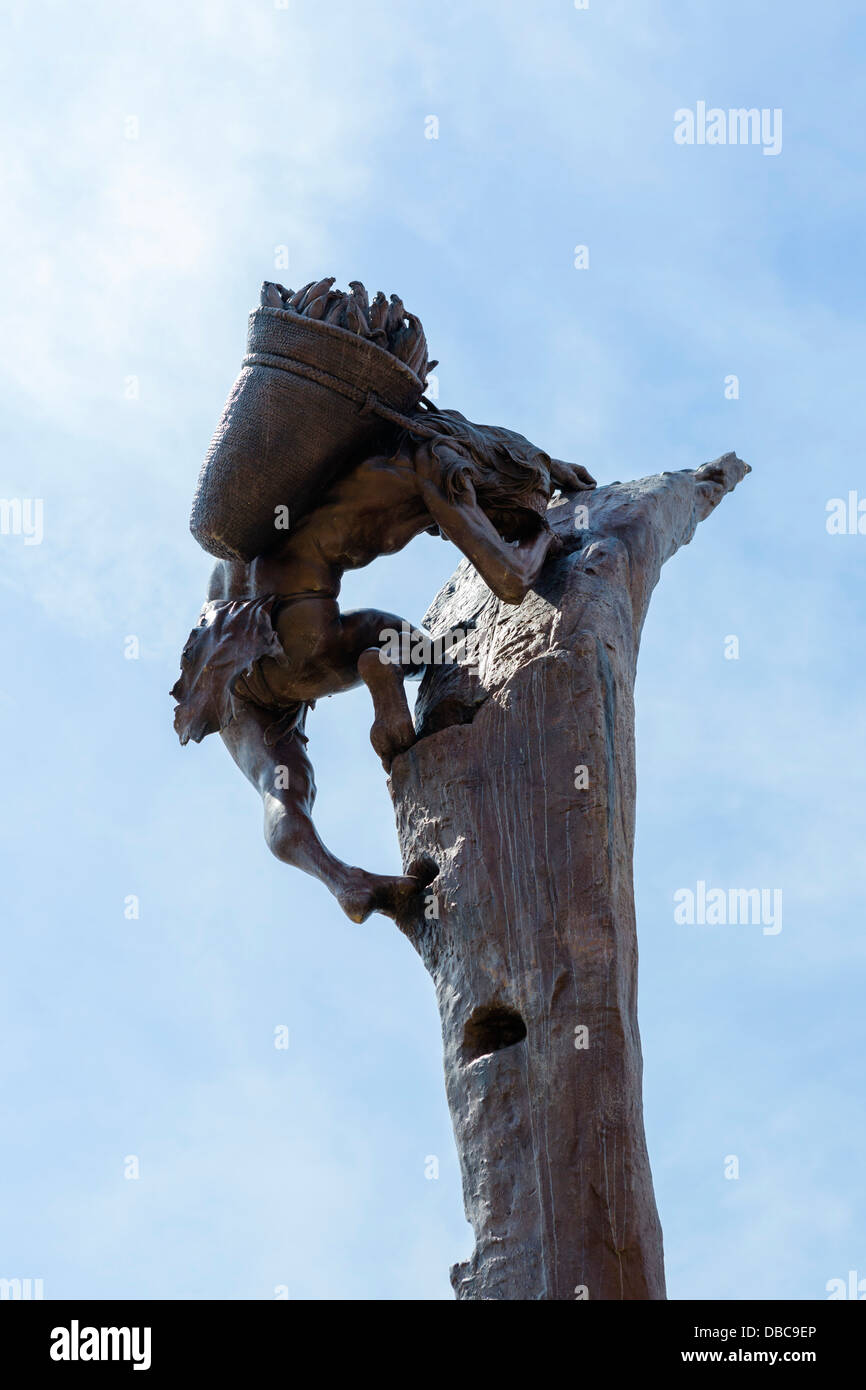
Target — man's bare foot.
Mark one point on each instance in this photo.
(393, 731)
(363, 893)
(391, 739)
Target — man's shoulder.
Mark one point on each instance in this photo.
(392, 473)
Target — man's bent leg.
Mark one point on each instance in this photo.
(393, 730)
(283, 774)
(382, 645)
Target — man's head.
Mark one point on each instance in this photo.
(510, 476)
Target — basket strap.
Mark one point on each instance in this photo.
(368, 400)
(415, 423)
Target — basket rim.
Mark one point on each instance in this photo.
(335, 331)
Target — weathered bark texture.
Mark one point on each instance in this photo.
(529, 931)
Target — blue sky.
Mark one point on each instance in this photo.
(259, 127)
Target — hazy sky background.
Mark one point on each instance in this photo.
(260, 127)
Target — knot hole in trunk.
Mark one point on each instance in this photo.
(490, 1028)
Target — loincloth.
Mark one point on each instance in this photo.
(221, 671)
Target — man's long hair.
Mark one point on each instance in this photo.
(511, 477)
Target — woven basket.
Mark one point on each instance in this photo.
(310, 398)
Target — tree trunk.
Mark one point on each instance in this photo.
(521, 789)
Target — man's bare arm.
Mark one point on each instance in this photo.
(508, 570)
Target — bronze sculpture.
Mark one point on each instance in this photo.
(271, 639)
(515, 797)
